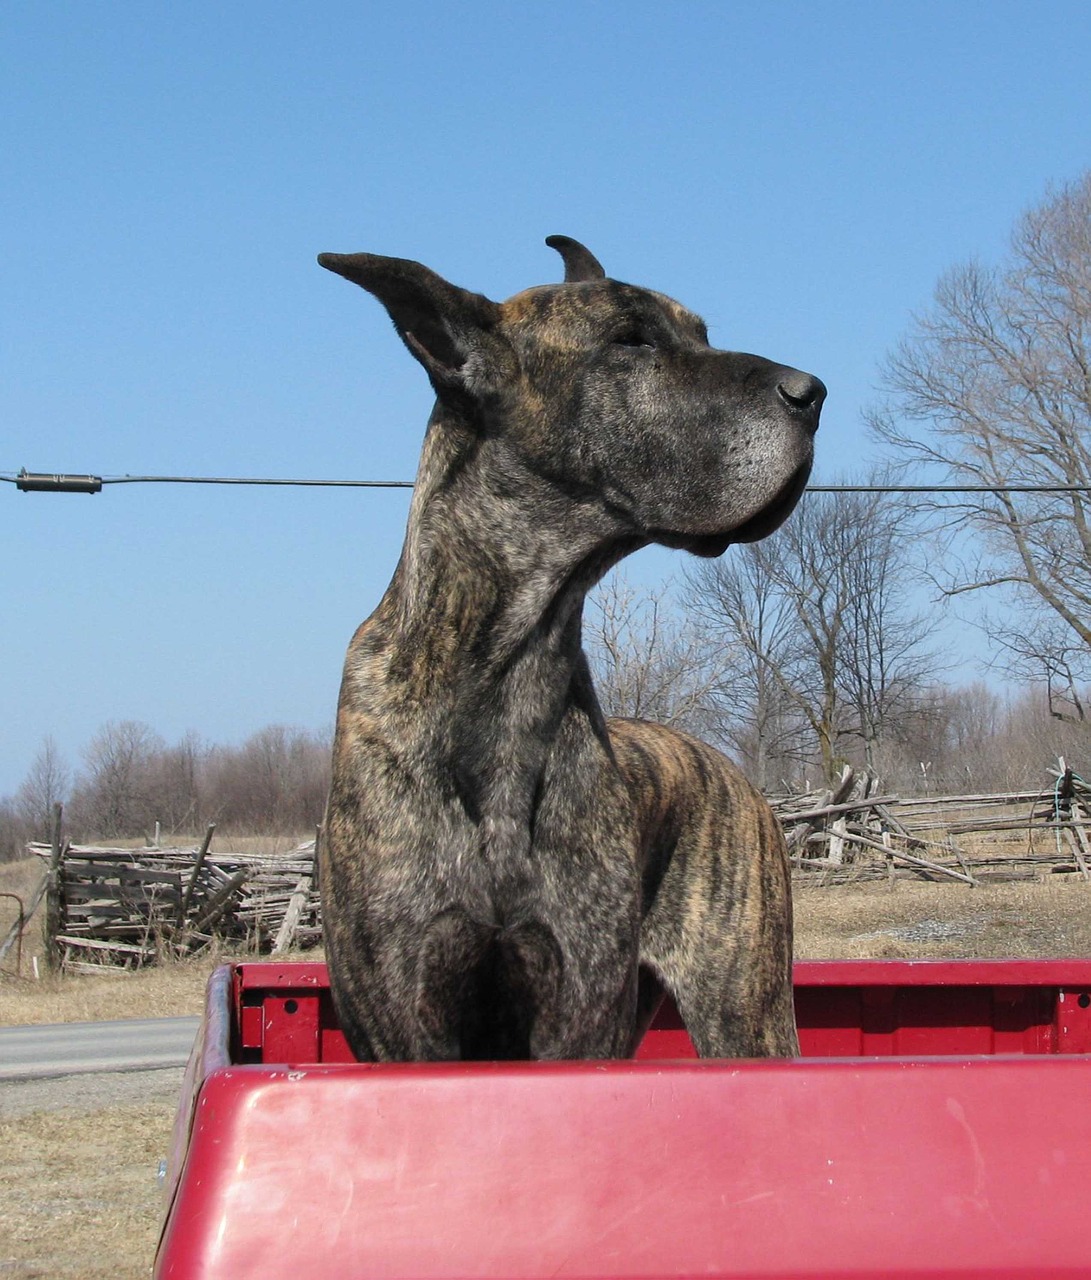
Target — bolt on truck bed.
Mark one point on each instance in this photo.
(938, 1124)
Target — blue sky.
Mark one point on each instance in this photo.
(799, 173)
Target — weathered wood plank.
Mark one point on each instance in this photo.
(191, 884)
(291, 917)
(95, 944)
(109, 871)
(54, 908)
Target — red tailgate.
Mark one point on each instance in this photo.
(864, 1167)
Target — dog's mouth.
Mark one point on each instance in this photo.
(771, 517)
(759, 526)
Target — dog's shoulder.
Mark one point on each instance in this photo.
(668, 763)
(687, 794)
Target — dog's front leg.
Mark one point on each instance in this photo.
(717, 925)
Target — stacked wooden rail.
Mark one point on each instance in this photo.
(132, 907)
(853, 833)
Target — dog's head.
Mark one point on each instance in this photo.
(612, 393)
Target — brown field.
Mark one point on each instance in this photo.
(78, 1199)
(78, 1194)
(919, 919)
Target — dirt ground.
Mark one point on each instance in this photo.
(78, 1193)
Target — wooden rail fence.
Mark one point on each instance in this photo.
(131, 907)
(852, 833)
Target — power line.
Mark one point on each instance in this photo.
(61, 482)
(949, 488)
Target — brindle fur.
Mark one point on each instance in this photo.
(506, 874)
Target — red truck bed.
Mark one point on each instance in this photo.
(938, 1124)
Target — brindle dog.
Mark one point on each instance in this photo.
(506, 874)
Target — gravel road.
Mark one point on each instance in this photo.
(89, 1092)
(89, 1066)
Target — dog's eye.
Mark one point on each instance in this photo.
(633, 338)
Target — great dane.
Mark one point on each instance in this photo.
(505, 873)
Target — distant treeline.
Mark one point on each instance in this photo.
(273, 783)
(943, 740)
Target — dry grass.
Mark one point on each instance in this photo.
(165, 991)
(918, 920)
(79, 1198)
(161, 991)
(21, 876)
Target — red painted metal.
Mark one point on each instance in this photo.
(844, 1009)
(940, 1126)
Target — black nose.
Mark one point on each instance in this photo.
(801, 392)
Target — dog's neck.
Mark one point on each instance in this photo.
(482, 622)
(501, 555)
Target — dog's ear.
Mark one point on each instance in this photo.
(579, 262)
(448, 329)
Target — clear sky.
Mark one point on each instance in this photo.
(799, 173)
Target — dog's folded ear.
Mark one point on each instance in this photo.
(579, 262)
(447, 329)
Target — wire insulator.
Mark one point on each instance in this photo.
(40, 482)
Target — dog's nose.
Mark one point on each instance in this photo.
(801, 392)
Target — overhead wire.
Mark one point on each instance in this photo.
(64, 482)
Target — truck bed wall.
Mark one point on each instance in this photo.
(284, 1013)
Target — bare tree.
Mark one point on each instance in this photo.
(14, 831)
(275, 782)
(177, 776)
(884, 661)
(974, 735)
(790, 577)
(46, 784)
(649, 663)
(997, 377)
(833, 652)
(115, 796)
(738, 601)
